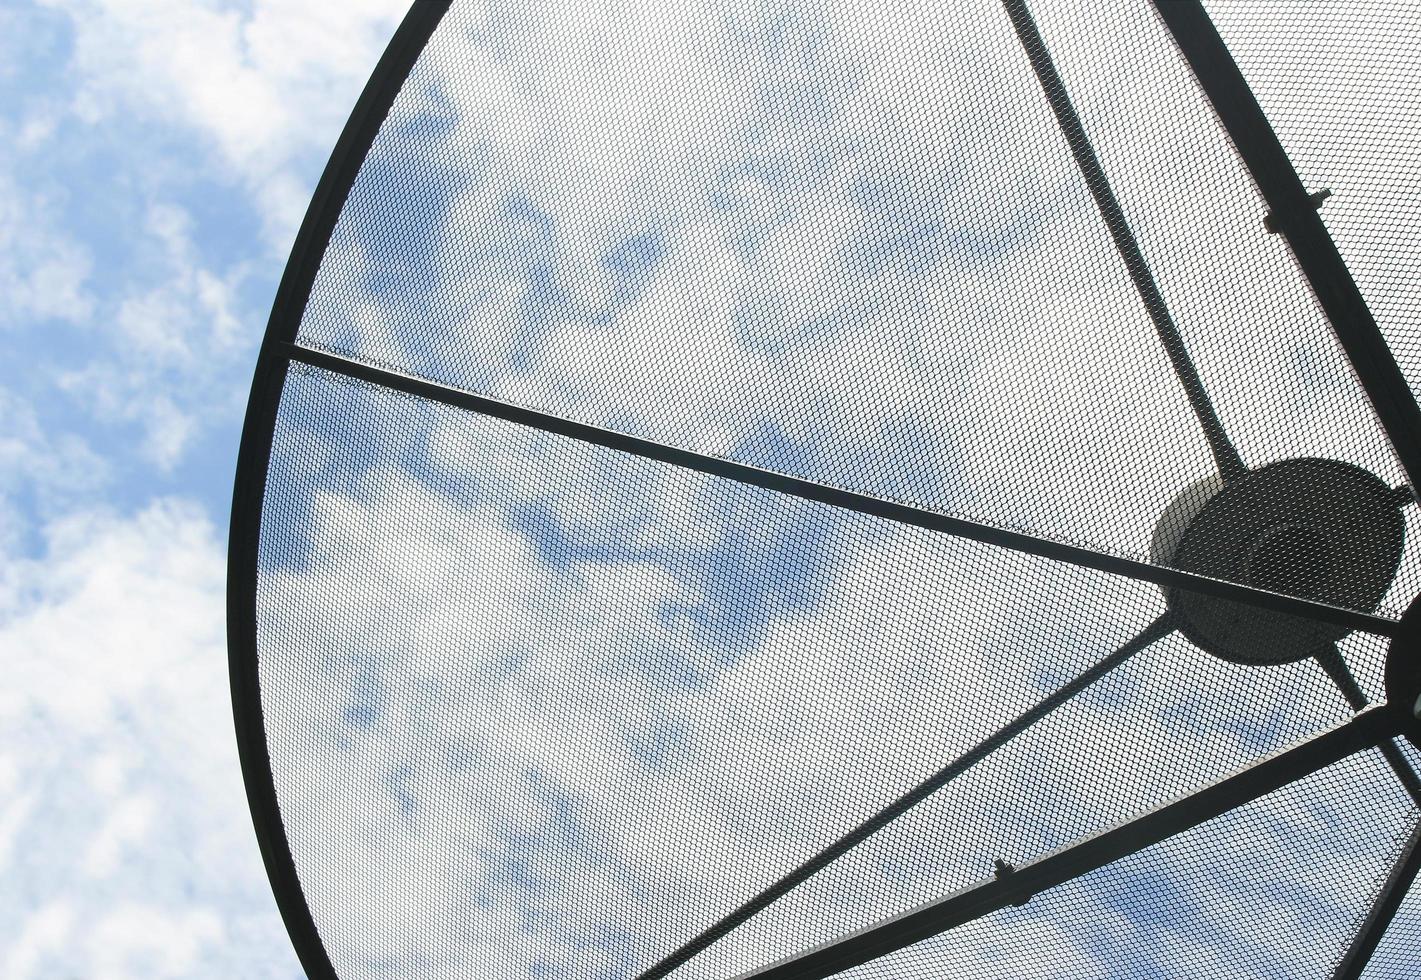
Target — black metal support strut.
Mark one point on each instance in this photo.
(1155, 631)
(1226, 456)
(1388, 900)
(1292, 212)
(863, 503)
(993, 894)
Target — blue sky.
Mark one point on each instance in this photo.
(156, 160)
(506, 670)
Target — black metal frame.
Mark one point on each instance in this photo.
(1292, 213)
(253, 459)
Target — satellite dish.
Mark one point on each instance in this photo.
(894, 490)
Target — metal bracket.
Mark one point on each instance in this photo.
(1004, 871)
(1274, 221)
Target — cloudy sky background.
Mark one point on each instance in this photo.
(155, 159)
(495, 763)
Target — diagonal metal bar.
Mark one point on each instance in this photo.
(1335, 667)
(1155, 631)
(1362, 731)
(835, 496)
(1383, 910)
(1226, 456)
(1293, 212)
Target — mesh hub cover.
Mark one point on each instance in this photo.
(1319, 528)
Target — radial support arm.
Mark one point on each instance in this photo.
(1362, 731)
(1333, 664)
(1293, 213)
(1155, 631)
(1383, 910)
(838, 497)
(1226, 457)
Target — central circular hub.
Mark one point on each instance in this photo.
(1318, 529)
(1289, 558)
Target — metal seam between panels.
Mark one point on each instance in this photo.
(253, 459)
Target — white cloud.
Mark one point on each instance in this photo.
(239, 101)
(266, 84)
(46, 930)
(138, 941)
(43, 270)
(127, 851)
(46, 469)
(126, 822)
(172, 350)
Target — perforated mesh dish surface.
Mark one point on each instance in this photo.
(721, 477)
